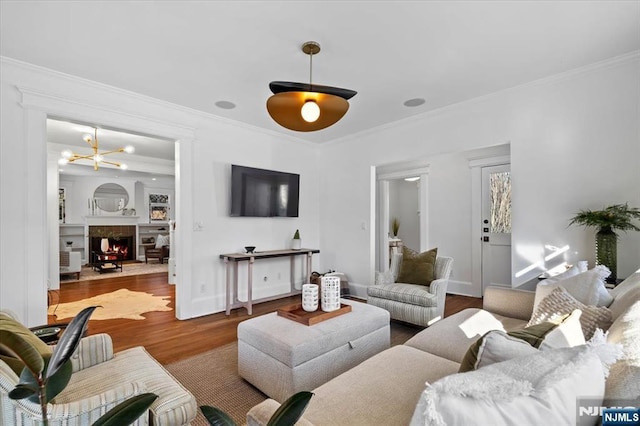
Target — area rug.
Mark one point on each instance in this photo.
(135, 268)
(121, 303)
(212, 377)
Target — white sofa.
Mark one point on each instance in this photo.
(386, 388)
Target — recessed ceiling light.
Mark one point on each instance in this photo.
(412, 179)
(414, 102)
(225, 105)
(153, 178)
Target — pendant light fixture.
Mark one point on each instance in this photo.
(307, 107)
(96, 156)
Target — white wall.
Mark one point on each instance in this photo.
(206, 148)
(574, 145)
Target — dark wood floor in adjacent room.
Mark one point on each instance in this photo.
(169, 339)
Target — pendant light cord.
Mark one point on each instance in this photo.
(310, 71)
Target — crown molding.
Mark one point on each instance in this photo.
(553, 79)
(4, 60)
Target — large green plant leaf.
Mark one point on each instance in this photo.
(216, 417)
(53, 385)
(22, 391)
(291, 410)
(28, 354)
(127, 411)
(69, 341)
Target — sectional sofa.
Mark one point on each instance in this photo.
(390, 387)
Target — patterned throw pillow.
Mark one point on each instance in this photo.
(560, 302)
(417, 268)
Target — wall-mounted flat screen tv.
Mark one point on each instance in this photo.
(263, 193)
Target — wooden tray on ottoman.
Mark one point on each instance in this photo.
(296, 313)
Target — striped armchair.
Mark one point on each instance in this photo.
(100, 381)
(413, 303)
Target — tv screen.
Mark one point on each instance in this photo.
(263, 193)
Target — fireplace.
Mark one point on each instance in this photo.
(125, 243)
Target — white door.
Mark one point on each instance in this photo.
(496, 226)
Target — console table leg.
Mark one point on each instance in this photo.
(250, 287)
(292, 273)
(228, 285)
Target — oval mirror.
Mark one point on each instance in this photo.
(111, 197)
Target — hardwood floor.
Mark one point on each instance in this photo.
(169, 339)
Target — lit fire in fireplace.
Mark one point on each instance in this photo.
(116, 247)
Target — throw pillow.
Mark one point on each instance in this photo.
(496, 346)
(560, 302)
(162, 240)
(10, 324)
(510, 393)
(417, 268)
(587, 287)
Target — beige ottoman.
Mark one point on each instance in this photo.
(281, 357)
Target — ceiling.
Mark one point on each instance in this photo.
(197, 53)
(152, 160)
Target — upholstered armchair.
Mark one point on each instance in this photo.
(156, 253)
(412, 303)
(101, 379)
(70, 263)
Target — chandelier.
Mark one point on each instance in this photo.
(307, 107)
(97, 157)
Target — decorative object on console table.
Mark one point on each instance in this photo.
(296, 242)
(607, 221)
(330, 289)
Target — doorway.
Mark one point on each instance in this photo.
(124, 206)
(392, 188)
(496, 226)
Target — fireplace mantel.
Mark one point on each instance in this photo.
(111, 220)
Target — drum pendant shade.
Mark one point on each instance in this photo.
(285, 109)
(285, 106)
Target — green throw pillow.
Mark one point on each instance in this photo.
(8, 323)
(417, 268)
(534, 336)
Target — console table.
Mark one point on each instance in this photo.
(230, 259)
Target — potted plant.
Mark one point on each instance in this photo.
(607, 221)
(296, 242)
(395, 227)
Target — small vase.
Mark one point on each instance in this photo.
(104, 245)
(606, 251)
(296, 244)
